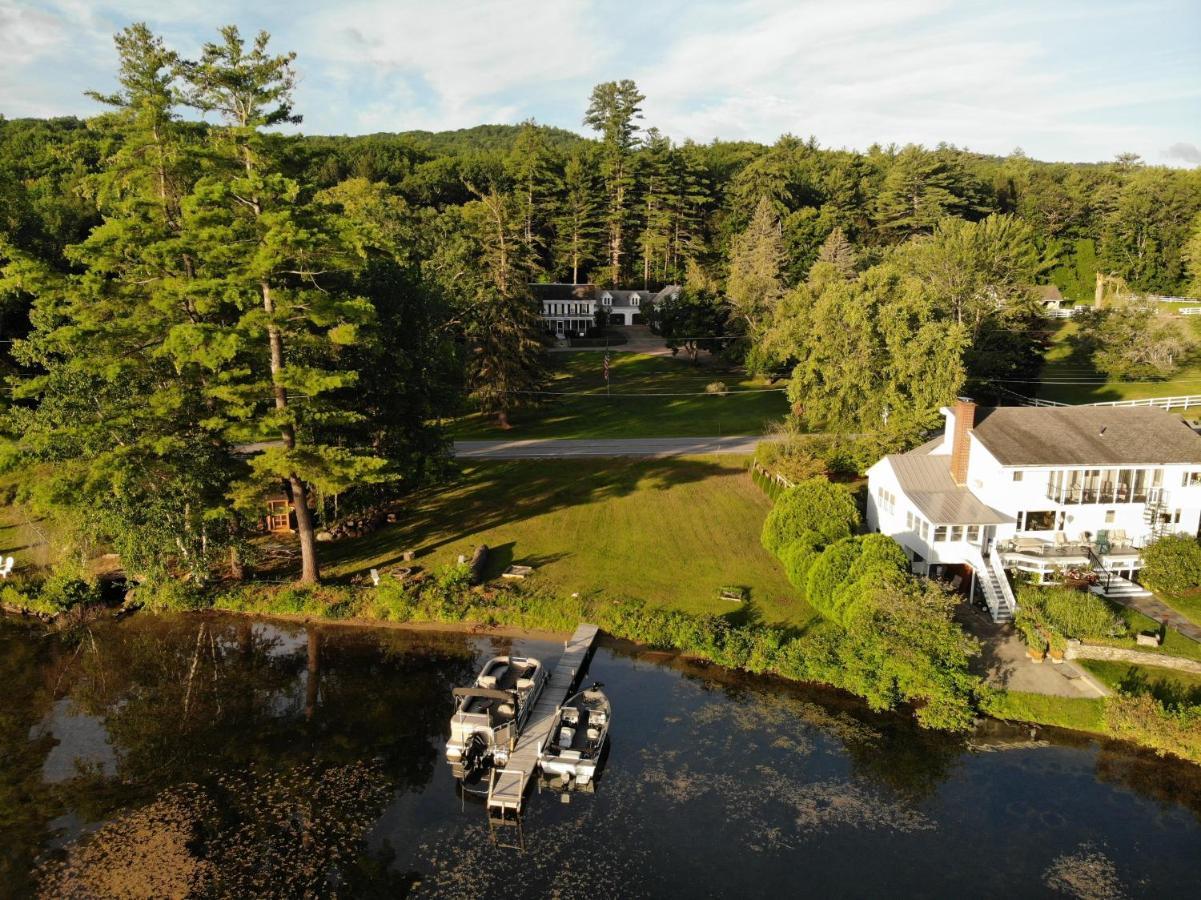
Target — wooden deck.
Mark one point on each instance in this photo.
(508, 785)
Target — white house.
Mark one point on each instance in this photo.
(572, 308)
(1040, 490)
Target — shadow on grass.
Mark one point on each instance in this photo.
(490, 495)
(1166, 691)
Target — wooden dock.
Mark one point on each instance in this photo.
(507, 786)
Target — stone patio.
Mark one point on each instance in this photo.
(1003, 661)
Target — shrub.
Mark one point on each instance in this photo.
(1144, 719)
(798, 557)
(1173, 563)
(392, 602)
(829, 572)
(814, 505)
(63, 592)
(170, 594)
(1081, 614)
(1051, 615)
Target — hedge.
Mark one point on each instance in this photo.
(814, 505)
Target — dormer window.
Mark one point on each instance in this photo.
(606, 299)
(634, 299)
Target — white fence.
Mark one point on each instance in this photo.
(1183, 402)
(1186, 401)
(1189, 311)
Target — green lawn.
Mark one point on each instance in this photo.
(1187, 603)
(1174, 643)
(1165, 684)
(1078, 713)
(616, 413)
(1064, 365)
(671, 532)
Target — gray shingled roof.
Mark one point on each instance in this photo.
(926, 480)
(1086, 436)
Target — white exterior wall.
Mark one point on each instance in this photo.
(994, 484)
(895, 523)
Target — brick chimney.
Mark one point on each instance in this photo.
(965, 421)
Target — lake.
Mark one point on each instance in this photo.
(222, 756)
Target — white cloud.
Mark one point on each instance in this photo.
(1070, 80)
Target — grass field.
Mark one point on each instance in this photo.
(1063, 365)
(671, 532)
(1187, 603)
(1079, 713)
(1174, 643)
(1165, 684)
(617, 413)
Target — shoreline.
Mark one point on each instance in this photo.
(621, 645)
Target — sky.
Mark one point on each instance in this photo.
(1061, 79)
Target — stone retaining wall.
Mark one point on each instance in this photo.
(1078, 650)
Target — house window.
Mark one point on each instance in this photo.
(909, 520)
(1017, 476)
(607, 300)
(1190, 479)
(635, 300)
(1110, 516)
(1040, 520)
(973, 534)
(925, 531)
(940, 533)
(955, 533)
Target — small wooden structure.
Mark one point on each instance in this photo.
(281, 515)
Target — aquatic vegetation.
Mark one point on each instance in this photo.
(1087, 874)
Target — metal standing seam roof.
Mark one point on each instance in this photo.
(926, 481)
(1086, 436)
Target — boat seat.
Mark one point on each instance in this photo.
(505, 709)
(593, 734)
(571, 715)
(524, 684)
(570, 754)
(487, 681)
(566, 736)
(597, 717)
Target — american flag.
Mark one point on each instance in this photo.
(606, 366)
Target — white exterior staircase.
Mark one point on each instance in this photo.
(1111, 584)
(994, 584)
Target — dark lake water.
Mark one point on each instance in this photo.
(225, 757)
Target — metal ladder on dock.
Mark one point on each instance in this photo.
(507, 786)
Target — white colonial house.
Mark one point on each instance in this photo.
(572, 308)
(1039, 490)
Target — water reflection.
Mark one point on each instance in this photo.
(226, 757)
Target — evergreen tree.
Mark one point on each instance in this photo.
(531, 167)
(483, 264)
(612, 111)
(577, 225)
(654, 176)
(921, 187)
(265, 249)
(124, 405)
(837, 251)
(756, 257)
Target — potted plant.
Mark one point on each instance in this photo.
(1057, 644)
(1036, 646)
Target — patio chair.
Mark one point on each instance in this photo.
(1102, 543)
(1061, 540)
(6, 568)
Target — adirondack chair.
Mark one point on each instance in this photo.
(6, 568)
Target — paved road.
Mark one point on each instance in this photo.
(563, 449)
